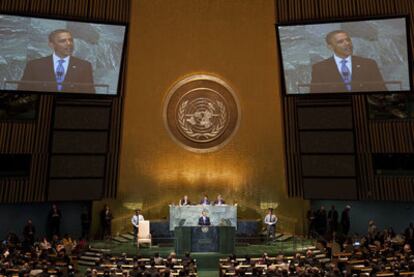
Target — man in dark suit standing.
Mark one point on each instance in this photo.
(106, 222)
(59, 72)
(409, 235)
(344, 72)
(346, 220)
(29, 232)
(54, 218)
(333, 217)
(204, 220)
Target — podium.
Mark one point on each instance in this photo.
(204, 239)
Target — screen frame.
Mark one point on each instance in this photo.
(122, 64)
(406, 17)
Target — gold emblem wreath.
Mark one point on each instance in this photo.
(204, 229)
(196, 135)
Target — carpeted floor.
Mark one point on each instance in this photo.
(208, 273)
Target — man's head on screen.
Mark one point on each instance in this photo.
(61, 41)
(340, 43)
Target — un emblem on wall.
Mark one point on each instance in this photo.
(201, 113)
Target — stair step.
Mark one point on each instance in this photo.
(88, 263)
(89, 258)
(284, 238)
(119, 239)
(127, 236)
(101, 250)
(92, 253)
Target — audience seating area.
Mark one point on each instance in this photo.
(378, 254)
(18, 262)
(390, 259)
(111, 265)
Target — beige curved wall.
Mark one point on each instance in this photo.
(234, 40)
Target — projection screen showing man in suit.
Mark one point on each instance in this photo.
(60, 71)
(345, 72)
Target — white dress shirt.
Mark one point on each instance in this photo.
(136, 219)
(348, 64)
(270, 219)
(56, 63)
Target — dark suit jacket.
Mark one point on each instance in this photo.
(365, 76)
(202, 222)
(39, 75)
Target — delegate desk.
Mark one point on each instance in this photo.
(189, 236)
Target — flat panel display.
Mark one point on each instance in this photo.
(354, 56)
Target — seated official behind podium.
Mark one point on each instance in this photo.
(345, 72)
(205, 200)
(219, 201)
(184, 201)
(204, 220)
(59, 72)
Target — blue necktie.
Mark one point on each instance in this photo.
(60, 74)
(346, 75)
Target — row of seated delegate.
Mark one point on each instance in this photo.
(33, 264)
(371, 261)
(110, 265)
(39, 258)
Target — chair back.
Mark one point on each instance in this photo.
(144, 229)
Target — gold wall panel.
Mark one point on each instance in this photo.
(235, 41)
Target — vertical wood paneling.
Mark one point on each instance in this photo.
(293, 168)
(280, 13)
(391, 136)
(395, 188)
(39, 6)
(361, 144)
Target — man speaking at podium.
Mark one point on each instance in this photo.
(344, 72)
(204, 220)
(59, 72)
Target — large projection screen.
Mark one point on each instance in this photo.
(27, 62)
(375, 50)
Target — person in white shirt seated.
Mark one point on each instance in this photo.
(136, 218)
